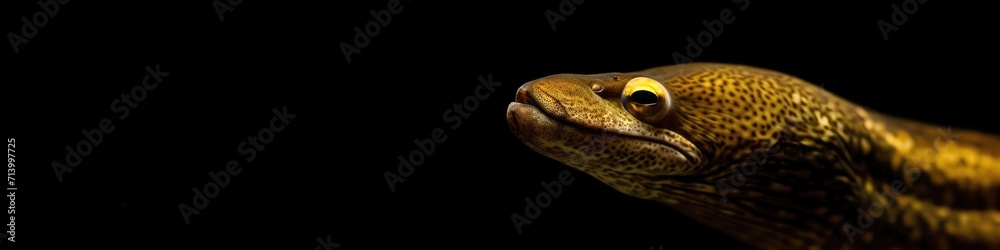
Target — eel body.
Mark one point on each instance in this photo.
(767, 158)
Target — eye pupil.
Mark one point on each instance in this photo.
(644, 97)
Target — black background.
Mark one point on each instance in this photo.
(323, 175)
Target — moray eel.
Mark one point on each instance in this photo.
(767, 158)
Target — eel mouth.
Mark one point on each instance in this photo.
(533, 124)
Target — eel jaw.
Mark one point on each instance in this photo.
(561, 140)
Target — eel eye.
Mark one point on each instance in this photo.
(646, 99)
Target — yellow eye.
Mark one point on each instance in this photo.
(646, 99)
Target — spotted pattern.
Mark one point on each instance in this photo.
(795, 162)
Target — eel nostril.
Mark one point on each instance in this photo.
(522, 95)
(597, 88)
